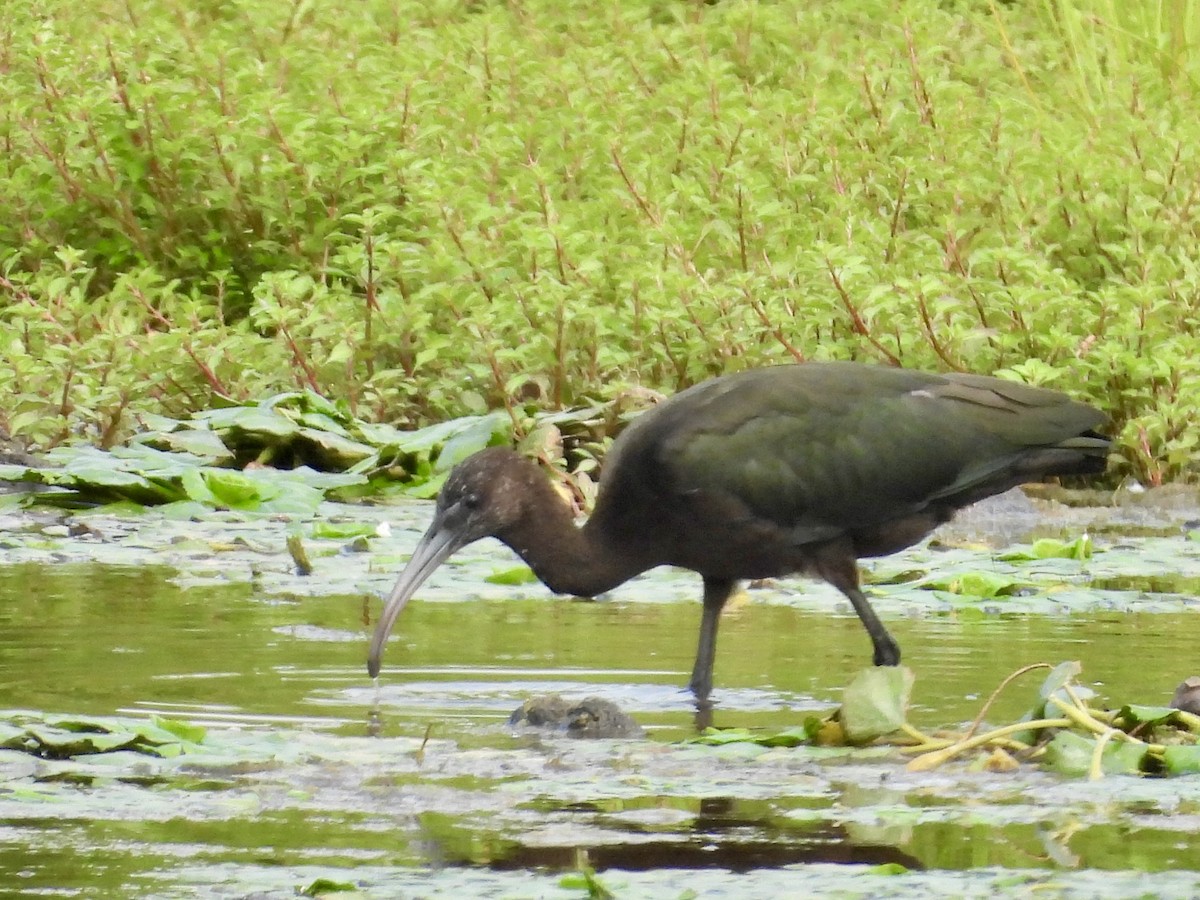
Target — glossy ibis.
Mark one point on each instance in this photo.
(799, 468)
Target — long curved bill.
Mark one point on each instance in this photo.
(435, 546)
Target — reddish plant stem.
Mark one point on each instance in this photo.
(856, 321)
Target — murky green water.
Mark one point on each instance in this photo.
(319, 773)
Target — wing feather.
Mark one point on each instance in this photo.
(823, 448)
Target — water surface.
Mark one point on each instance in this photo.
(318, 772)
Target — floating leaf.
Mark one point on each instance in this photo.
(1182, 760)
(718, 736)
(195, 485)
(64, 744)
(1121, 757)
(66, 737)
(196, 441)
(248, 420)
(790, 737)
(235, 491)
(1072, 754)
(875, 703)
(975, 584)
(1132, 715)
(1052, 548)
(340, 531)
(334, 450)
(1069, 754)
(306, 403)
(900, 576)
(323, 886)
(512, 576)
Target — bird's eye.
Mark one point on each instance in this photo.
(471, 501)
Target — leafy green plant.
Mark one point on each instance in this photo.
(294, 448)
(1106, 39)
(1062, 731)
(65, 737)
(493, 207)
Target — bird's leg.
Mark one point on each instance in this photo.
(887, 651)
(841, 570)
(716, 592)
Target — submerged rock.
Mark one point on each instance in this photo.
(592, 717)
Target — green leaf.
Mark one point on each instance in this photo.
(427, 490)
(334, 450)
(292, 499)
(13, 472)
(1123, 758)
(195, 441)
(65, 737)
(1060, 676)
(185, 731)
(62, 744)
(12, 737)
(975, 584)
(1069, 754)
(1132, 715)
(875, 703)
(195, 486)
(249, 420)
(340, 531)
(1182, 760)
(470, 440)
(1051, 548)
(718, 736)
(323, 886)
(789, 737)
(435, 436)
(512, 576)
(235, 491)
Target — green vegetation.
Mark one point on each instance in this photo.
(65, 737)
(278, 442)
(432, 209)
(1061, 730)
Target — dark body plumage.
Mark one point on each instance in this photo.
(802, 468)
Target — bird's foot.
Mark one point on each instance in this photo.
(887, 653)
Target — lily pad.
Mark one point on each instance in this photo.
(196, 441)
(875, 703)
(1182, 760)
(340, 531)
(68, 737)
(1132, 715)
(1052, 548)
(976, 584)
(1072, 754)
(514, 575)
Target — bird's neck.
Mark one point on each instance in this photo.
(568, 559)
